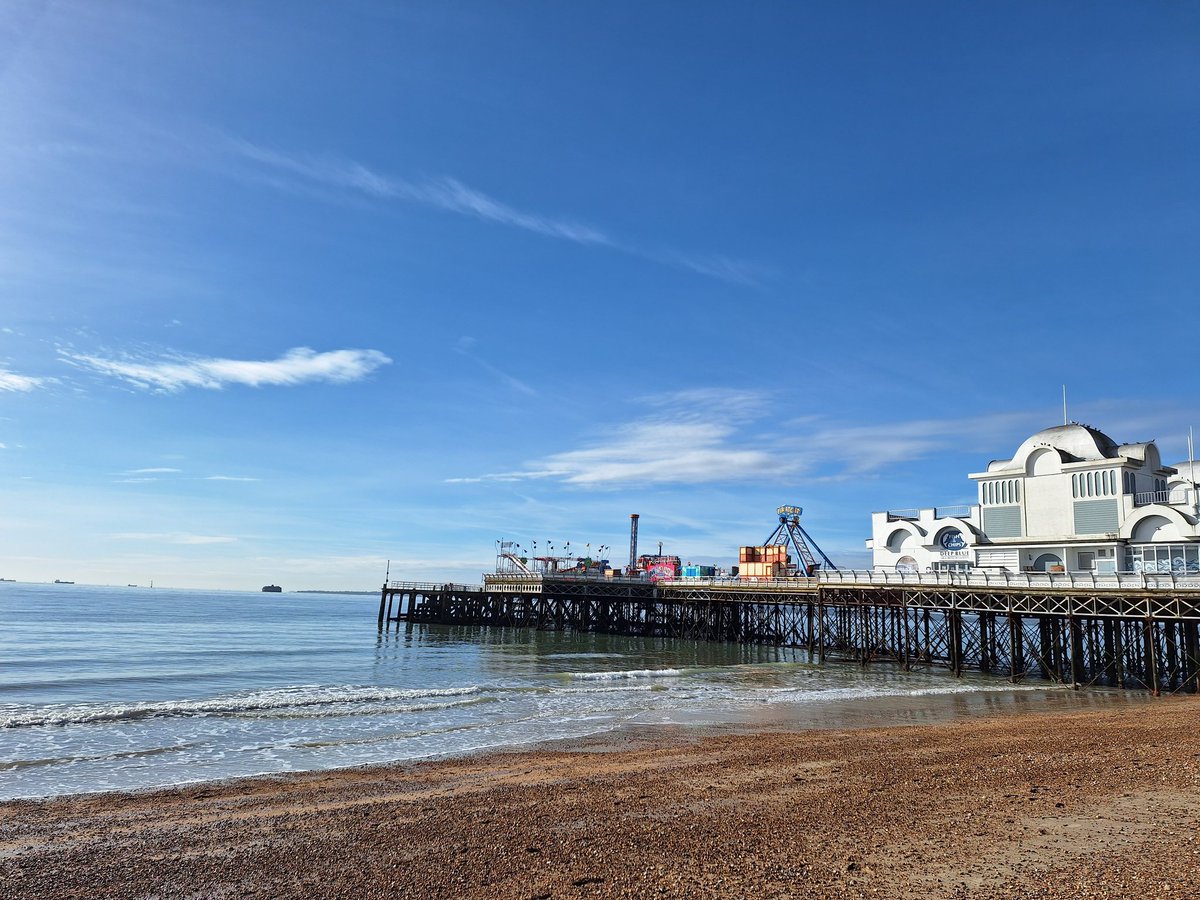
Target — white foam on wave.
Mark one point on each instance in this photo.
(230, 704)
(822, 695)
(605, 689)
(634, 673)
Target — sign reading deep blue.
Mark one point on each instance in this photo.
(953, 540)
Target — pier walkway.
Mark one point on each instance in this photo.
(1134, 631)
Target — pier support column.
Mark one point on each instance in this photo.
(1191, 649)
(954, 621)
(1077, 668)
(820, 629)
(1045, 657)
(1151, 660)
(1016, 648)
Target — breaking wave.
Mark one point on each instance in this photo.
(230, 705)
(633, 673)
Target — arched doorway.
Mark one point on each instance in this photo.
(906, 565)
(1048, 562)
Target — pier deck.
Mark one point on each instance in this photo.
(1132, 631)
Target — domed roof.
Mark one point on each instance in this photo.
(1188, 471)
(1076, 442)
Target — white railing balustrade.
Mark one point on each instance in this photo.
(1171, 498)
(973, 578)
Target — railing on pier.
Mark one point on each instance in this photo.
(430, 586)
(1170, 498)
(1129, 581)
(1003, 579)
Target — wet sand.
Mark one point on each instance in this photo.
(1093, 802)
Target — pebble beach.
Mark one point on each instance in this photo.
(1096, 803)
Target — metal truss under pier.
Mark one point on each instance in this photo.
(1146, 639)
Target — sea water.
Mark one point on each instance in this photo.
(130, 688)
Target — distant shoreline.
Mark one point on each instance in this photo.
(371, 593)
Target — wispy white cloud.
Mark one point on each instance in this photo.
(11, 381)
(697, 438)
(466, 344)
(717, 436)
(445, 193)
(228, 478)
(451, 195)
(156, 470)
(174, 537)
(655, 452)
(175, 373)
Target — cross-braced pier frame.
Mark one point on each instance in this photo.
(1083, 634)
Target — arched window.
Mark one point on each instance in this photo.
(1075, 485)
(1016, 492)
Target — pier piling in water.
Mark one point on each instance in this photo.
(1145, 637)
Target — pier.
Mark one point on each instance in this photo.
(1128, 631)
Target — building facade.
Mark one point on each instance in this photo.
(1069, 500)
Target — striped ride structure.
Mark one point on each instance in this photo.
(1130, 631)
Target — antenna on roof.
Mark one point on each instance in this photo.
(1065, 420)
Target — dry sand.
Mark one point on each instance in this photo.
(1072, 804)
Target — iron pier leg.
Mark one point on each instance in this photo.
(1077, 669)
(1151, 661)
(985, 642)
(955, 622)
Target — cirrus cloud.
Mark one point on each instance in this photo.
(11, 381)
(176, 372)
(175, 537)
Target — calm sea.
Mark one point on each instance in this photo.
(126, 688)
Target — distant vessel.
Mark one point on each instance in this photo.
(8, 579)
(272, 589)
(60, 581)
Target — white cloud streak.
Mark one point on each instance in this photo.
(11, 381)
(697, 439)
(175, 537)
(465, 345)
(451, 195)
(710, 436)
(228, 478)
(444, 193)
(298, 366)
(157, 470)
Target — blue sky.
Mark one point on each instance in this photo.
(290, 289)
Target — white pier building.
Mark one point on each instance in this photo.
(1069, 500)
